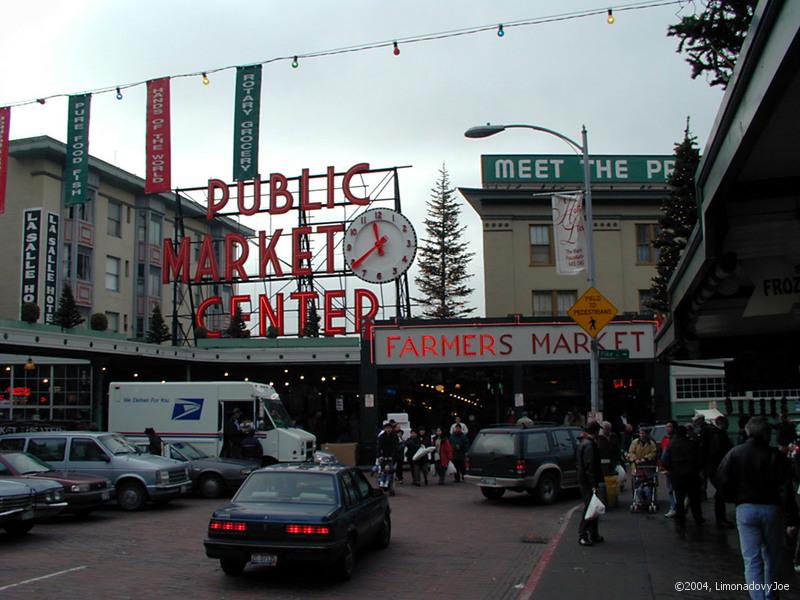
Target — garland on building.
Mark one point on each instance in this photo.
(678, 216)
(443, 256)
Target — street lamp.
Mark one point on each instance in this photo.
(483, 131)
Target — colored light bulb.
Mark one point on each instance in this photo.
(206, 80)
(295, 64)
(610, 19)
(500, 31)
(396, 50)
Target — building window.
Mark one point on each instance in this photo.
(114, 219)
(141, 226)
(113, 321)
(541, 245)
(139, 279)
(83, 211)
(112, 273)
(154, 233)
(645, 296)
(139, 333)
(646, 254)
(154, 285)
(553, 303)
(84, 263)
(67, 262)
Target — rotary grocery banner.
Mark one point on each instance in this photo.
(76, 169)
(5, 118)
(158, 144)
(246, 122)
(569, 233)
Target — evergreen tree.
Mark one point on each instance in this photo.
(443, 256)
(237, 327)
(311, 328)
(678, 216)
(158, 332)
(67, 316)
(712, 39)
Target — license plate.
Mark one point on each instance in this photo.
(269, 560)
(105, 495)
(488, 481)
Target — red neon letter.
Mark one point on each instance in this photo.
(215, 206)
(207, 256)
(277, 188)
(176, 266)
(267, 254)
(390, 340)
(305, 194)
(236, 301)
(329, 230)
(333, 313)
(331, 186)
(303, 298)
(256, 196)
(275, 316)
(232, 263)
(487, 344)
(199, 318)
(298, 255)
(354, 170)
(361, 295)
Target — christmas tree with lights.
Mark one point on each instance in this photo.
(678, 216)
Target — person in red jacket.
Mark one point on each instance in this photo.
(445, 454)
(669, 429)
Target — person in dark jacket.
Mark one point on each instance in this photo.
(388, 444)
(232, 435)
(154, 442)
(590, 474)
(719, 444)
(681, 461)
(460, 444)
(413, 444)
(250, 447)
(757, 479)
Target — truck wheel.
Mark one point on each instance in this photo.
(18, 528)
(547, 488)
(232, 566)
(493, 493)
(211, 486)
(131, 495)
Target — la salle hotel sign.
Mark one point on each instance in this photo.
(528, 342)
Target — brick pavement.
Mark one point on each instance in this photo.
(448, 542)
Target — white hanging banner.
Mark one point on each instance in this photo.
(569, 233)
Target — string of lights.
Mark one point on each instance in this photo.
(500, 28)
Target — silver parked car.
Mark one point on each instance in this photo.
(136, 477)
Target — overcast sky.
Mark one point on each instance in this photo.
(625, 82)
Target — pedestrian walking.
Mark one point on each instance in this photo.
(445, 455)
(425, 461)
(719, 444)
(154, 442)
(457, 422)
(702, 435)
(681, 461)
(460, 444)
(590, 475)
(413, 444)
(757, 479)
(401, 453)
(669, 431)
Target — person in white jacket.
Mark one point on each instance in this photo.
(464, 428)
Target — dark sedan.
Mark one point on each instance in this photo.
(211, 476)
(306, 512)
(16, 507)
(83, 492)
(48, 496)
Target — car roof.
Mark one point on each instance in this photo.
(23, 434)
(511, 428)
(305, 467)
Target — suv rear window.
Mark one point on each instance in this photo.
(48, 448)
(494, 443)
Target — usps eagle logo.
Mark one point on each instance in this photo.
(187, 409)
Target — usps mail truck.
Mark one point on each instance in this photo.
(196, 412)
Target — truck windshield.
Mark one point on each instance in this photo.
(277, 411)
(116, 444)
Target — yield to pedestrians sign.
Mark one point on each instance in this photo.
(592, 312)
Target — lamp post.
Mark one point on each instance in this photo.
(487, 130)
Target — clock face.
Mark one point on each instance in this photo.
(380, 245)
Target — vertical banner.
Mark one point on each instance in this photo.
(246, 122)
(31, 242)
(76, 168)
(51, 267)
(5, 119)
(159, 142)
(569, 233)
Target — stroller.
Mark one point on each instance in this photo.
(644, 477)
(385, 468)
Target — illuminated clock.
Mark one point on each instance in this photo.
(380, 245)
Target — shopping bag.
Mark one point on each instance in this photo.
(596, 508)
(621, 475)
(451, 468)
(420, 453)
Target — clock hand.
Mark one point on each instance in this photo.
(377, 237)
(378, 246)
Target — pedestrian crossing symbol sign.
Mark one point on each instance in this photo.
(592, 311)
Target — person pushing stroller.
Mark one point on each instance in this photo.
(642, 454)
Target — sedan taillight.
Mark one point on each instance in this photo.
(308, 530)
(227, 526)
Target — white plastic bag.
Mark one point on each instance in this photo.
(596, 508)
(420, 453)
(451, 468)
(621, 476)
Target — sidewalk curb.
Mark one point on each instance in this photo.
(547, 555)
